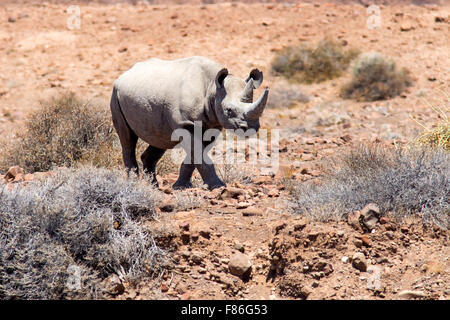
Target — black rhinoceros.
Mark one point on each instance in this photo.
(156, 97)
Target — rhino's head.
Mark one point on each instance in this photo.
(234, 104)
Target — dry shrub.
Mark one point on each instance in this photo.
(306, 64)
(86, 218)
(234, 172)
(187, 200)
(375, 78)
(402, 182)
(64, 131)
(438, 136)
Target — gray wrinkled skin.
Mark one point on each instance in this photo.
(156, 97)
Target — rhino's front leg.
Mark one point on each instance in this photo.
(184, 179)
(209, 175)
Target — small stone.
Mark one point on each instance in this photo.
(114, 285)
(359, 261)
(358, 243)
(252, 211)
(384, 220)
(353, 219)
(13, 173)
(369, 215)
(410, 294)
(406, 26)
(345, 259)
(389, 234)
(184, 226)
(243, 205)
(164, 287)
(168, 206)
(123, 49)
(365, 240)
(196, 257)
(231, 193)
(262, 180)
(346, 138)
(239, 264)
(239, 247)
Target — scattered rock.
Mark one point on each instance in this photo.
(410, 294)
(14, 173)
(384, 220)
(262, 180)
(114, 286)
(273, 193)
(167, 206)
(346, 138)
(406, 26)
(359, 261)
(243, 205)
(231, 193)
(370, 215)
(353, 219)
(197, 257)
(184, 226)
(239, 247)
(239, 264)
(365, 240)
(164, 287)
(252, 211)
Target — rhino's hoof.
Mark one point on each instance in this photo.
(216, 185)
(181, 186)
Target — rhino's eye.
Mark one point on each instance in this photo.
(230, 113)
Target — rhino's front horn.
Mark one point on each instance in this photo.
(256, 108)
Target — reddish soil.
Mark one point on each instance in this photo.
(291, 257)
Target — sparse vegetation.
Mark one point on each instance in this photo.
(307, 64)
(86, 218)
(63, 132)
(438, 136)
(231, 172)
(187, 200)
(375, 78)
(401, 182)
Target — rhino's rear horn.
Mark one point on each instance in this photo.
(256, 108)
(247, 93)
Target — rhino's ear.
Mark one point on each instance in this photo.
(220, 77)
(257, 77)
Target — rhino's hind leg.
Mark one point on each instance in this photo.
(128, 139)
(150, 158)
